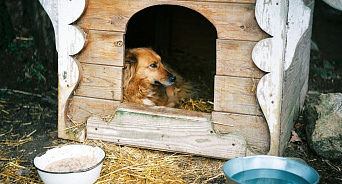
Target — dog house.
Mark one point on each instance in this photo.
(262, 53)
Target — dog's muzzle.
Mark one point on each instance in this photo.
(172, 79)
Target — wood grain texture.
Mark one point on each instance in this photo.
(168, 131)
(253, 128)
(234, 58)
(81, 108)
(268, 55)
(299, 22)
(236, 95)
(224, 1)
(99, 81)
(296, 75)
(104, 48)
(71, 41)
(232, 21)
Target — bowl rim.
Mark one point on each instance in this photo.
(271, 157)
(70, 172)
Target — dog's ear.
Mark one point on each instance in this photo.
(130, 57)
(130, 67)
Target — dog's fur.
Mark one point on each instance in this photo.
(147, 81)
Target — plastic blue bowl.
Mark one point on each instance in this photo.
(268, 170)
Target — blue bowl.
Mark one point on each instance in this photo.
(268, 170)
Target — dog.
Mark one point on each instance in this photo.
(147, 81)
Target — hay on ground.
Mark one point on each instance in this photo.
(125, 164)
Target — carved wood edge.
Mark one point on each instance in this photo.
(268, 55)
(70, 40)
(274, 55)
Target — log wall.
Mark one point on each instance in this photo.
(105, 22)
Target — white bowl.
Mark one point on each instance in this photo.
(70, 154)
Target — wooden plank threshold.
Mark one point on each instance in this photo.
(166, 129)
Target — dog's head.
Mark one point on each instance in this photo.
(146, 64)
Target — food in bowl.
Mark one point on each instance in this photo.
(70, 164)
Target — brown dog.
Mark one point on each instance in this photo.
(147, 81)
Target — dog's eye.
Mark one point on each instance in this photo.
(154, 65)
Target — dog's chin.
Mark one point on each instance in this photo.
(164, 84)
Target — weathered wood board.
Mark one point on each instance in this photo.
(236, 95)
(81, 108)
(232, 20)
(166, 129)
(296, 67)
(100, 81)
(103, 48)
(246, 125)
(234, 58)
(225, 1)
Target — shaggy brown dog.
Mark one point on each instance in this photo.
(147, 81)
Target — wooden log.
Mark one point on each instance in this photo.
(81, 108)
(234, 58)
(232, 20)
(166, 129)
(253, 128)
(105, 48)
(99, 81)
(236, 95)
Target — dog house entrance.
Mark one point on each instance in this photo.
(207, 43)
(186, 42)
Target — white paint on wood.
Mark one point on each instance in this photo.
(167, 131)
(268, 55)
(51, 8)
(71, 41)
(337, 4)
(298, 23)
(296, 66)
(71, 10)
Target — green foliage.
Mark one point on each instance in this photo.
(19, 47)
(3, 94)
(35, 72)
(12, 47)
(328, 71)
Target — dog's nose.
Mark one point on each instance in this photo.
(172, 79)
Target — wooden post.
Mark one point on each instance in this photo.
(268, 55)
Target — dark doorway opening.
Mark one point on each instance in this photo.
(185, 40)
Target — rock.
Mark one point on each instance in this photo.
(323, 117)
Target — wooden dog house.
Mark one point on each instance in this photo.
(262, 64)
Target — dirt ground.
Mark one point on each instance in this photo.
(28, 98)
